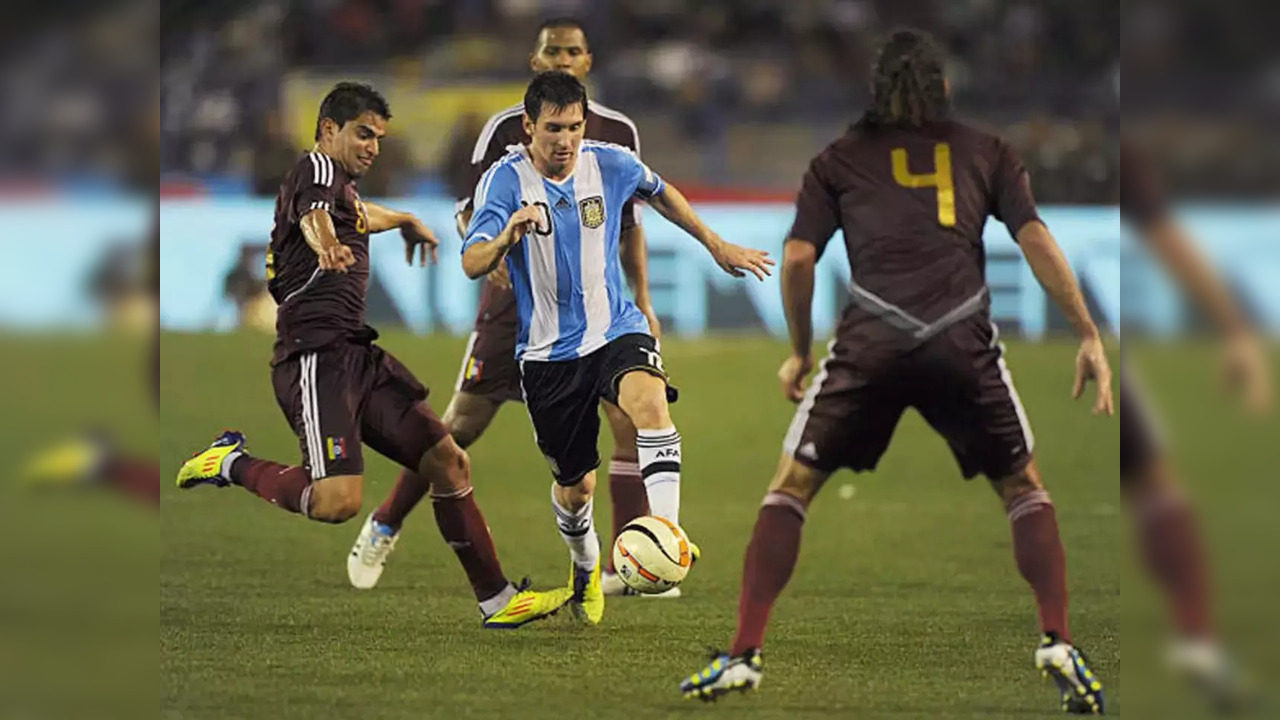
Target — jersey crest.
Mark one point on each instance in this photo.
(592, 211)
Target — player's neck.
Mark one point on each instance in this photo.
(544, 168)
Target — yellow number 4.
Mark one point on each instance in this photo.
(940, 178)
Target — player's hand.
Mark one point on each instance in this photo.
(734, 259)
(337, 257)
(655, 327)
(417, 235)
(500, 277)
(1092, 364)
(1245, 371)
(792, 374)
(523, 221)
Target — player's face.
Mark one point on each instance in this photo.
(555, 138)
(357, 144)
(563, 49)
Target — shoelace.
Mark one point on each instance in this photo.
(378, 548)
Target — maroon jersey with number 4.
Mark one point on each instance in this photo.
(913, 204)
(317, 308)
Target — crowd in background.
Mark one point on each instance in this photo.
(738, 93)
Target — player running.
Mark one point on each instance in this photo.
(912, 190)
(1169, 540)
(336, 387)
(553, 212)
(489, 376)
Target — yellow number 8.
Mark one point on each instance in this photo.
(940, 178)
(362, 218)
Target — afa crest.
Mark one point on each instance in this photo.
(592, 211)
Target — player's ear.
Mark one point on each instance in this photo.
(589, 58)
(528, 125)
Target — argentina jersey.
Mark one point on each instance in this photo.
(567, 277)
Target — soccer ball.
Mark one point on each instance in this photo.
(651, 555)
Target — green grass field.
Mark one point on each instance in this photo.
(906, 602)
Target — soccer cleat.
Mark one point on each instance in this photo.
(206, 465)
(1214, 676)
(695, 552)
(725, 675)
(587, 600)
(613, 586)
(1081, 690)
(79, 461)
(528, 605)
(369, 555)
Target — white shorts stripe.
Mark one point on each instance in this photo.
(801, 418)
(311, 415)
(466, 360)
(1007, 378)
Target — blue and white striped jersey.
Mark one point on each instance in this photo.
(567, 276)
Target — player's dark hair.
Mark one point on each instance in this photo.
(564, 23)
(908, 85)
(554, 88)
(348, 101)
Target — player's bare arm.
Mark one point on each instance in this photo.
(415, 233)
(499, 276)
(317, 229)
(1245, 359)
(634, 253)
(481, 258)
(733, 259)
(1055, 275)
(799, 259)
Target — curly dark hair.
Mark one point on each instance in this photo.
(909, 85)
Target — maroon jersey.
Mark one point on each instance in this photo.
(506, 128)
(913, 204)
(317, 308)
(1142, 202)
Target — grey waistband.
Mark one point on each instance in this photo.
(904, 320)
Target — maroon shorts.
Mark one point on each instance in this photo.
(957, 380)
(489, 367)
(341, 396)
(1140, 441)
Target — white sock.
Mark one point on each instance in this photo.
(660, 467)
(225, 469)
(497, 602)
(579, 532)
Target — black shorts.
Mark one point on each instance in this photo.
(563, 399)
(957, 380)
(1140, 441)
(341, 396)
(489, 366)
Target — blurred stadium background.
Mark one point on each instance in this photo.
(731, 99)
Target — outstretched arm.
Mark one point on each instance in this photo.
(1054, 274)
(415, 233)
(733, 259)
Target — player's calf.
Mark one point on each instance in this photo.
(336, 499)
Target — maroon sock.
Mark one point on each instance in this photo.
(771, 556)
(139, 479)
(626, 491)
(409, 490)
(1173, 554)
(1037, 548)
(285, 486)
(463, 527)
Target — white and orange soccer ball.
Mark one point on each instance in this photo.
(652, 555)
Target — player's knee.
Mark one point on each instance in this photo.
(447, 467)
(797, 480)
(337, 499)
(1014, 486)
(649, 411)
